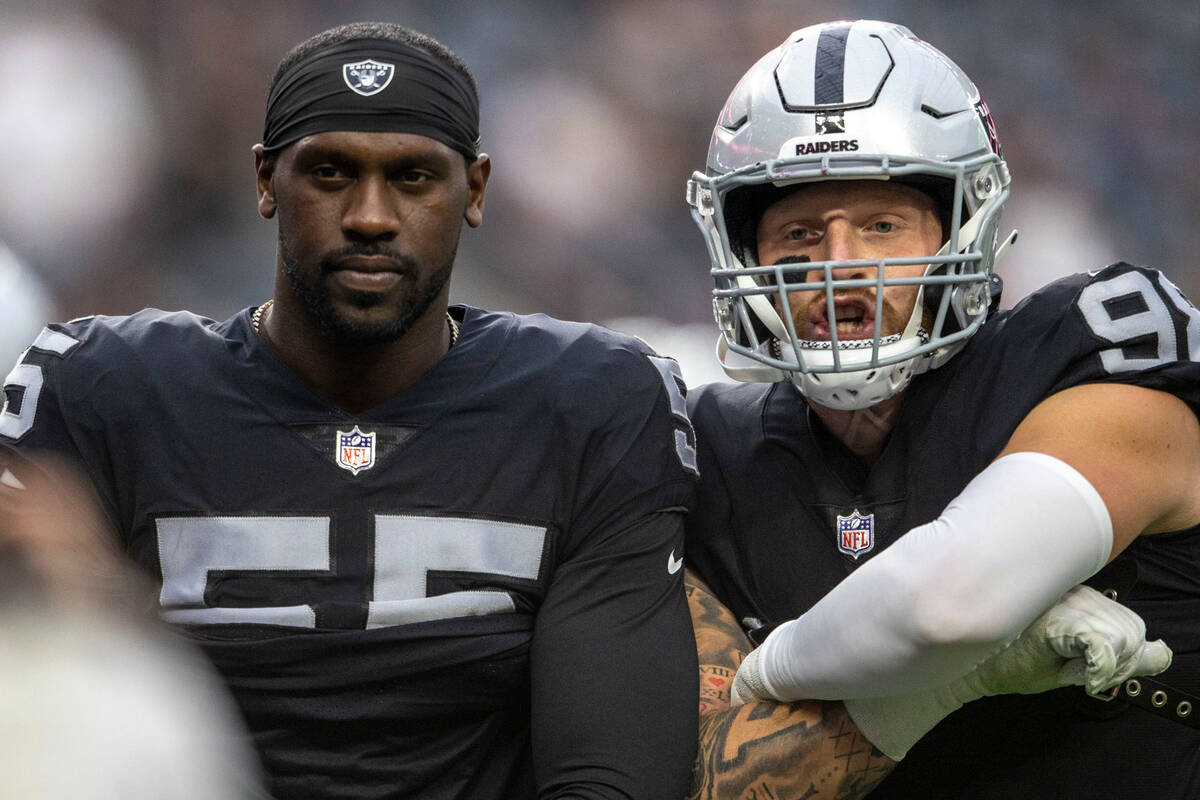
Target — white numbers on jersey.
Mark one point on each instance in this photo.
(685, 434)
(1192, 343)
(1098, 301)
(29, 378)
(407, 548)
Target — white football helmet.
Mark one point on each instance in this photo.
(850, 100)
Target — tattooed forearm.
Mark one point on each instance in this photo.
(808, 749)
(767, 750)
(720, 644)
(719, 638)
(715, 683)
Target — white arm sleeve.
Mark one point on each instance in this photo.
(949, 593)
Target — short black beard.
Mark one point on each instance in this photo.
(341, 331)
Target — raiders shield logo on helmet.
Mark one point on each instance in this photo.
(368, 77)
(355, 450)
(856, 533)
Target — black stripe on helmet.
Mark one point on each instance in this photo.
(830, 67)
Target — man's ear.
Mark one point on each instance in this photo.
(478, 172)
(264, 172)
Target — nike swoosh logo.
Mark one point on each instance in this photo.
(673, 565)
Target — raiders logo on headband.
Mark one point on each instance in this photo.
(423, 96)
(368, 77)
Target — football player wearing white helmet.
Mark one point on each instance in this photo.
(950, 468)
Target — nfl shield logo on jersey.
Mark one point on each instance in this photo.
(368, 77)
(856, 533)
(355, 450)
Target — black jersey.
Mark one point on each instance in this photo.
(472, 590)
(785, 512)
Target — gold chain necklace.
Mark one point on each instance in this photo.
(257, 317)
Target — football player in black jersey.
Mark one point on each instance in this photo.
(908, 476)
(429, 548)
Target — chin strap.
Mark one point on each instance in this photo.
(747, 374)
(1003, 248)
(762, 308)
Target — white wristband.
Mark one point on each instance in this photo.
(949, 593)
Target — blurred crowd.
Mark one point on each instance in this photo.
(126, 127)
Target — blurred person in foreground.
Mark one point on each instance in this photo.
(907, 476)
(97, 700)
(428, 547)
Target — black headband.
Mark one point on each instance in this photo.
(374, 85)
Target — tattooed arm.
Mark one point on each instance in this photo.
(766, 750)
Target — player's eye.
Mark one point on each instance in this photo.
(415, 176)
(326, 172)
(883, 226)
(797, 234)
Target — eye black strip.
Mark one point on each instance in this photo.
(830, 66)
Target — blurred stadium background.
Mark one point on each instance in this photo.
(126, 128)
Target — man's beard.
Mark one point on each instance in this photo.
(415, 297)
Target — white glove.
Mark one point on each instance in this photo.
(1083, 639)
(1103, 641)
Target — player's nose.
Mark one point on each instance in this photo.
(842, 242)
(370, 212)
